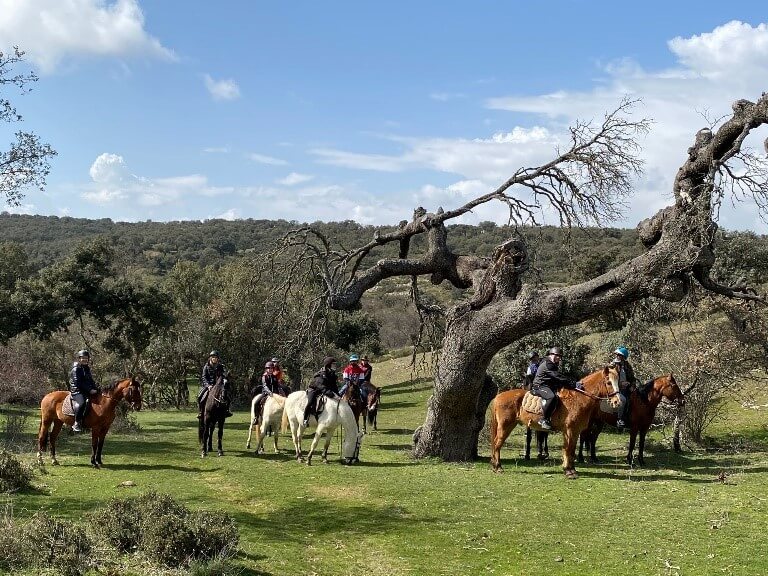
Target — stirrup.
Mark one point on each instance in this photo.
(76, 427)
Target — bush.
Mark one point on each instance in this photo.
(125, 422)
(22, 381)
(59, 545)
(14, 475)
(166, 531)
(13, 428)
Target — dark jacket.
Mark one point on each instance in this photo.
(81, 380)
(270, 384)
(629, 372)
(326, 381)
(211, 373)
(548, 374)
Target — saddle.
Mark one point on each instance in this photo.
(532, 404)
(69, 407)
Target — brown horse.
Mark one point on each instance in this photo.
(642, 409)
(573, 414)
(354, 398)
(371, 411)
(99, 418)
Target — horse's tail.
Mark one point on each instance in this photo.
(253, 409)
(284, 421)
(493, 424)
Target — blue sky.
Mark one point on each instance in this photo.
(170, 110)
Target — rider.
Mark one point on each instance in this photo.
(547, 382)
(279, 373)
(82, 386)
(530, 373)
(353, 374)
(366, 384)
(323, 382)
(212, 371)
(627, 382)
(270, 384)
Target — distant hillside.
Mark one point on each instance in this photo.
(157, 246)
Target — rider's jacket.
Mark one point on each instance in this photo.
(81, 380)
(325, 381)
(210, 373)
(548, 375)
(270, 384)
(354, 373)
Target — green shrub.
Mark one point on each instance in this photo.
(14, 475)
(165, 531)
(59, 545)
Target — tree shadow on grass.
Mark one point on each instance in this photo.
(407, 387)
(396, 431)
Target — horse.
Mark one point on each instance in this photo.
(573, 414)
(336, 412)
(361, 406)
(99, 418)
(642, 410)
(271, 416)
(214, 413)
(371, 411)
(542, 444)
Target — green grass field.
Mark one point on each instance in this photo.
(392, 515)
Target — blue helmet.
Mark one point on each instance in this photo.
(354, 358)
(623, 351)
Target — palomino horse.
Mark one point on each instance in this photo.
(99, 418)
(362, 407)
(572, 415)
(214, 413)
(336, 412)
(642, 410)
(271, 415)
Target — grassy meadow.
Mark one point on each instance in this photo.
(700, 512)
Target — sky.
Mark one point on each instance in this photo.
(347, 110)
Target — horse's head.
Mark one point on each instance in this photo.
(374, 397)
(611, 384)
(132, 393)
(669, 389)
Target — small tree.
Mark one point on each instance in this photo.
(26, 162)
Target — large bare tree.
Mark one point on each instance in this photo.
(583, 185)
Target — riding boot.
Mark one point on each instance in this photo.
(545, 422)
(623, 415)
(77, 426)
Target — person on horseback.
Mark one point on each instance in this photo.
(82, 386)
(627, 382)
(365, 382)
(530, 373)
(353, 374)
(324, 382)
(548, 381)
(212, 371)
(270, 384)
(279, 373)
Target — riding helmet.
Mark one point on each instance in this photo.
(555, 350)
(214, 353)
(328, 361)
(623, 351)
(83, 354)
(354, 358)
(269, 365)
(275, 360)
(533, 355)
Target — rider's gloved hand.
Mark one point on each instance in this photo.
(579, 386)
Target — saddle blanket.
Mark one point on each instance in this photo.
(532, 404)
(607, 404)
(70, 406)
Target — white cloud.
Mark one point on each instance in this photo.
(216, 150)
(21, 209)
(446, 96)
(222, 89)
(231, 214)
(269, 160)
(54, 30)
(294, 178)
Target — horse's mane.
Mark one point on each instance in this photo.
(111, 387)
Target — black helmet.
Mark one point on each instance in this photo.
(555, 350)
(214, 353)
(328, 361)
(83, 354)
(532, 355)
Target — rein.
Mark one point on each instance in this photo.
(596, 397)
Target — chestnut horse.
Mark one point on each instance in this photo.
(99, 418)
(642, 410)
(572, 415)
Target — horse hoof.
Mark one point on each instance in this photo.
(571, 474)
(498, 470)
(247, 446)
(220, 453)
(55, 462)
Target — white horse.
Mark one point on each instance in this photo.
(270, 418)
(335, 412)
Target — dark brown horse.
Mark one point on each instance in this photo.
(371, 411)
(571, 417)
(642, 409)
(214, 413)
(354, 398)
(99, 418)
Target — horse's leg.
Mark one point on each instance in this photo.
(250, 432)
(206, 438)
(641, 447)
(276, 428)
(42, 439)
(632, 439)
(220, 450)
(328, 438)
(542, 444)
(501, 434)
(57, 425)
(94, 447)
(315, 440)
(528, 436)
(569, 452)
